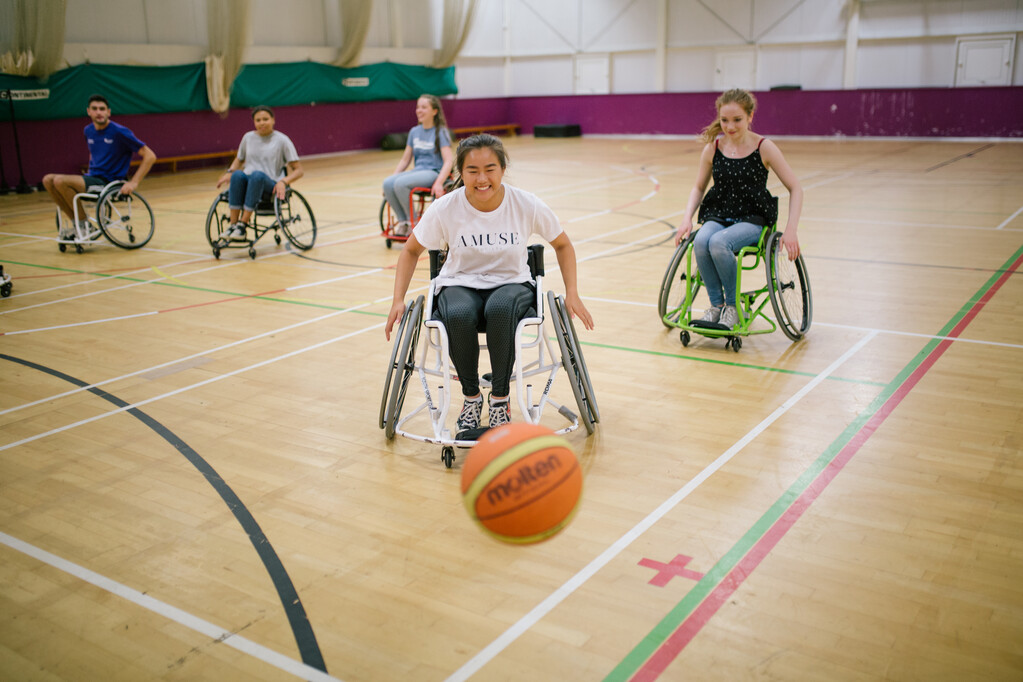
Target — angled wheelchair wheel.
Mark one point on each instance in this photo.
(218, 219)
(296, 219)
(383, 216)
(789, 289)
(126, 220)
(401, 366)
(677, 281)
(573, 361)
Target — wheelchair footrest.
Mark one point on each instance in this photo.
(700, 324)
(472, 434)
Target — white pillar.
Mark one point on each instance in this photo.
(852, 35)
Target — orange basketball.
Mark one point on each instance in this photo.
(521, 483)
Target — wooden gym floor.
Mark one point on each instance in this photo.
(193, 484)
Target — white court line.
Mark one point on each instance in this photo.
(1010, 218)
(183, 389)
(203, 627)
(577, 581)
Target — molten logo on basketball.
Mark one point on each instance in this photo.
(525, 481)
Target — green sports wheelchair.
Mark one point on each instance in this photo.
(786, 286)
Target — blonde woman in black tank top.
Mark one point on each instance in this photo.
(739, 204)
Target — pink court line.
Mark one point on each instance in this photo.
(701, 615)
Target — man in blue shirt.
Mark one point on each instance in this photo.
(111, 147)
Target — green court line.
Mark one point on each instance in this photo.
(712, 579)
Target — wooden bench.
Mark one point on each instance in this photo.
(510, 128)
(175, 160)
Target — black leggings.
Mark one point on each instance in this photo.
(467, 312)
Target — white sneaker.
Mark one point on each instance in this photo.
(235, 233)
(729, 317)
(403, 228)
(711, 315)
(499, 413)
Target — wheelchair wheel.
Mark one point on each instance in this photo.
(401, 366)
(297, 220)
(677, 280)
(789, 289)
(383, 215)
(572, 359)
(126, 220)
(217, 221)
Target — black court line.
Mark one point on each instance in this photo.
(301, 628)
(967, 155)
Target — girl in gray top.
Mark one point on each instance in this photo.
(270, 165)
(429, 146)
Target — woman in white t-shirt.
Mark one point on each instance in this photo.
(429, 151)
(484, 283)
(263, 152)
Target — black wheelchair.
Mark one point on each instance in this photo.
(433, 365)
(292, 216)
(126, 220)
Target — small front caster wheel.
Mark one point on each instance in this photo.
(216, 253)
(79, 248)
(684, 336)
(252, 253)
(736, 343)
(447, 455)
(62, 247)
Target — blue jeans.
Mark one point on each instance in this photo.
(246, 190)
(397, 187)
(715, 246)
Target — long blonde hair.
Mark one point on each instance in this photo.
(744, 98)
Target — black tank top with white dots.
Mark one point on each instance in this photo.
(739, 193)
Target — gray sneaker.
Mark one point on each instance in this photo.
(711, 315)
(729, 317)
(470, 417)
(499, 413)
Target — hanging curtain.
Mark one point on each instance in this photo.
(32, 37)
(458, 15)
(355, 16)
(228, 23)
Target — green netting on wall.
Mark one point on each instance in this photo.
(308, 82)
(130, 90)
(162, 89)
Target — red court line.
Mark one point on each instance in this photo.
(701, 615)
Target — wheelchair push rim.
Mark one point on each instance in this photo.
(299, 226)
(573, 362)
(789, 287)
(401, 367)
(125, 219)
(678, 288)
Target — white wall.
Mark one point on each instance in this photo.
(544, 47)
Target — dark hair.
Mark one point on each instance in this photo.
(99, 98)
(744, 98)
(481, 141)
(263, 107)
(439, 122)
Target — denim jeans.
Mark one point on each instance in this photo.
(246, 190)
(397, 187)
(715, 246)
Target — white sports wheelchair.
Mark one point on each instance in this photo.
(434, 366)
(125, 219)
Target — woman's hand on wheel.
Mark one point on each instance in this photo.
(791, 243)
(683, 231)
(575, 308)
(397, 310)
